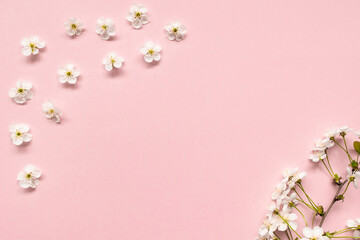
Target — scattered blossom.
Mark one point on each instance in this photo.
(314, 234)
(51, 112)
(19, 133)
(175, 31)
(151, 51)
(22, 92)
(31, 45)
(112, 61)
(105, 28)
(29, 177)
(137, 16)
(355, 224)
(73, 27)
(353, 176)
(68, 74)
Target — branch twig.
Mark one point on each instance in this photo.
(335, 199)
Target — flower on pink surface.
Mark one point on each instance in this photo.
(20, 133)
(151, 52)
(29, 177)
(137, 15)
(73, 27)
(175, 31)
(105, 28)
(31, 45)
(22, 92)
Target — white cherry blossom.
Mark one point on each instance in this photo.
(151, 51)
(19, 133)
(22, 92)
(112, 61)
(73, 27)
(68, 74)
(29, 177)
(314, 234)
(31, 45)
(105, 28)
(51, 112)
(317, 156)
(288, 219)
(356, 225)
(137, 16)
(353, 176)
(175, 31)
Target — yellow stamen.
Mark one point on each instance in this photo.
(138, 14)
(150, 51)
(20, 90)
(73, 26)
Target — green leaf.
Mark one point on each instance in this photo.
(357, 146)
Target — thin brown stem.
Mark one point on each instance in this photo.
(335, 199)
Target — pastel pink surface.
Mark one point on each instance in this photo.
(189, 148)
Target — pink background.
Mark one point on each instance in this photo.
(189, 148)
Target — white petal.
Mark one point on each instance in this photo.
(317, 231)
(20, 98)
(104, 36)
(118, 64)
(72, 80)
(35, 51)
(26, 51)
(17, 140)
(108, 67)
(156, 56)
(148, 58)
(307, 232)
(170, 35)
(12, 92)
(24, 183)
(27, 137)
(137, 23)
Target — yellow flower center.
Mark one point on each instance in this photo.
(175, 30)
(112, 60)
(69, 74)
(20, 90)
(138, 14)
(19, 134)
(28, 176)
(313, 238)
(51, 111)
(73, 26)
(150, 51)
(32, 46)
(104, 27)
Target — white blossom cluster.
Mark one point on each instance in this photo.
(281, 215)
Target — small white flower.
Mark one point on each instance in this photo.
(21, 92)
(317, 155)
(288, 219)
(355, 224)
(151, 52)
(68, 74)
(105, 28)
(314, 234)
(112, 60)
(73, 27)
(353, 176)
(31, 45)
(51, 112)
(19, 133)
(323, 144)
(269, 226)
(29, 177)
(175, 31)
(137, 16)
(332, 133)
(345, 129)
